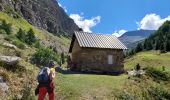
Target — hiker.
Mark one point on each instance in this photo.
(137, 67)
(46, 84)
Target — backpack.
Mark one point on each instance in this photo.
(43, 76)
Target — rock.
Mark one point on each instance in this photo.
(46, 14)
(3, 88)
(9, 45)
(10, 60)
(136, 73)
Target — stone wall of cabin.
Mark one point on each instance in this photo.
(94, 59)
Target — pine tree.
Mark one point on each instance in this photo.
(157, 44)
(21, 35)
(166, 45)
(30, 37)
(62, 58)
(138, 47)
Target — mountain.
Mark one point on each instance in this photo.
(46, 14)
(160, 40)
(131, 38)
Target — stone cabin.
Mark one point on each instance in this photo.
(96, 53)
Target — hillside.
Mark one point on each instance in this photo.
(21, 78)
(149, 59)
(131, 38)
(46, 14)
(47, 39)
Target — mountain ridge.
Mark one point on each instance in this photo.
(46, 14)
(131, 38)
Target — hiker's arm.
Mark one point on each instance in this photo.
(53, 75)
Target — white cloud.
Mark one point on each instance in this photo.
(151, 22)
(65, 9)
(119, 33)
(60, 4)
(85, 24)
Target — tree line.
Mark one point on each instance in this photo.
(160, 40)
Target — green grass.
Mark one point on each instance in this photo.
(19, 23)
(149, 59)
(107, 87)
(87, 86)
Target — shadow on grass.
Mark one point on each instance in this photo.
(68, 71)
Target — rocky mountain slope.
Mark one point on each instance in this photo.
(20, 78)
(46, 14)
(131, 38)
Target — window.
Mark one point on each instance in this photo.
(110, 59)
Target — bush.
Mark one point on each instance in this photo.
(26, 92)
(6, 27)
(14, 68)
(37, 44)
(158, 74)
(2, 31)
(9, 37)
(5, 75)
(125, 96)
(19, 44)
(44, 56)
(159, 93)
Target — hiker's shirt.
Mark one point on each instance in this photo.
(52, 74)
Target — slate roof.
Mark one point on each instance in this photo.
(92, 40)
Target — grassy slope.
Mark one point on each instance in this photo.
(17, 79)
(43, 35)
(94, 87)
(149, 59)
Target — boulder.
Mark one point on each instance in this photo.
(136, 73)
(11, 60)
(9, 45)
(3, 88)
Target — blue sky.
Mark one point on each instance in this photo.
(117, 16)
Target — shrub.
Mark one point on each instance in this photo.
(2, 31)
(125, 96)
(26, 92)
(5, 75)
(14, 68)
(158, 74)
(37, 44)
(6, 27)
(9, 37)
(19, 44)
(159, 93)
(44, 56)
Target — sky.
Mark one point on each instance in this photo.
(117, 16)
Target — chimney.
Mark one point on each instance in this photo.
(80, 30)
